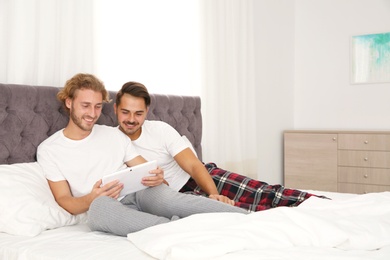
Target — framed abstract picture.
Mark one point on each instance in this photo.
(370, 58)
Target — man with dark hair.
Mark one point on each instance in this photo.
(157, 140)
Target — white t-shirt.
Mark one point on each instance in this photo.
(83, 162)
(160, 141)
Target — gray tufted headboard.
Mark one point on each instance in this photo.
(30, 114)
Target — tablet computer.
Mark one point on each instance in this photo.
(131, 177)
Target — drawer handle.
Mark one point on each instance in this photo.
(366, 142)
(334, 138)
(366, 159)
(365, 176)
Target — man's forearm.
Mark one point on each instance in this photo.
(205, 182)
(75, 205)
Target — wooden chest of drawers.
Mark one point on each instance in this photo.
(363, 162)
(343, 161)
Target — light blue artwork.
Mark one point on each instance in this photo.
(371, 58)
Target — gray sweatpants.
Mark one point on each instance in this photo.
(149, 207)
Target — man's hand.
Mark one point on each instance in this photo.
(222, 198)
(154, 180)
(111, 189)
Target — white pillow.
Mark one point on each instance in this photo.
(27, 206)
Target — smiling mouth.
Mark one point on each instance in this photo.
(89, 120)
(130, 124)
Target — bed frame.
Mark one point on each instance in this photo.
(33, 226)
(30, 114)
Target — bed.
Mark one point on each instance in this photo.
(33, 226)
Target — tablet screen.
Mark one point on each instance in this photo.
(131, 177)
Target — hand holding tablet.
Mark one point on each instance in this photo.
(131, 177)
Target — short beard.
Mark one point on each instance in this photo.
(129, 132)
(78, 122)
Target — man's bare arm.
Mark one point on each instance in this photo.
(77, 205)
(195, 168)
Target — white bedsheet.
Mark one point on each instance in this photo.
(350, 227)
(355, 227)
(68, 243)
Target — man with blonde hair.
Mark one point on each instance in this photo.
(75, 159)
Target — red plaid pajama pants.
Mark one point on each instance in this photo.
(250, 194)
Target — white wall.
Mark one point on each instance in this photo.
(274, 69)
(302, 70)
(324, 97)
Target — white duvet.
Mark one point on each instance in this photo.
(353, 228)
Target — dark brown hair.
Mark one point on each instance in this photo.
(135, 89)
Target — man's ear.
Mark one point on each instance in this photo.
(68, 103)
(114, 108)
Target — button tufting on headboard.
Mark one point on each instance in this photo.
(30, 114)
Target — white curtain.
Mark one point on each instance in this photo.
(45, 42)
(154, 42)
(228, 89)
(191, 47)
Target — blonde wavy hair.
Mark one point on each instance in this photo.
(82, 81)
